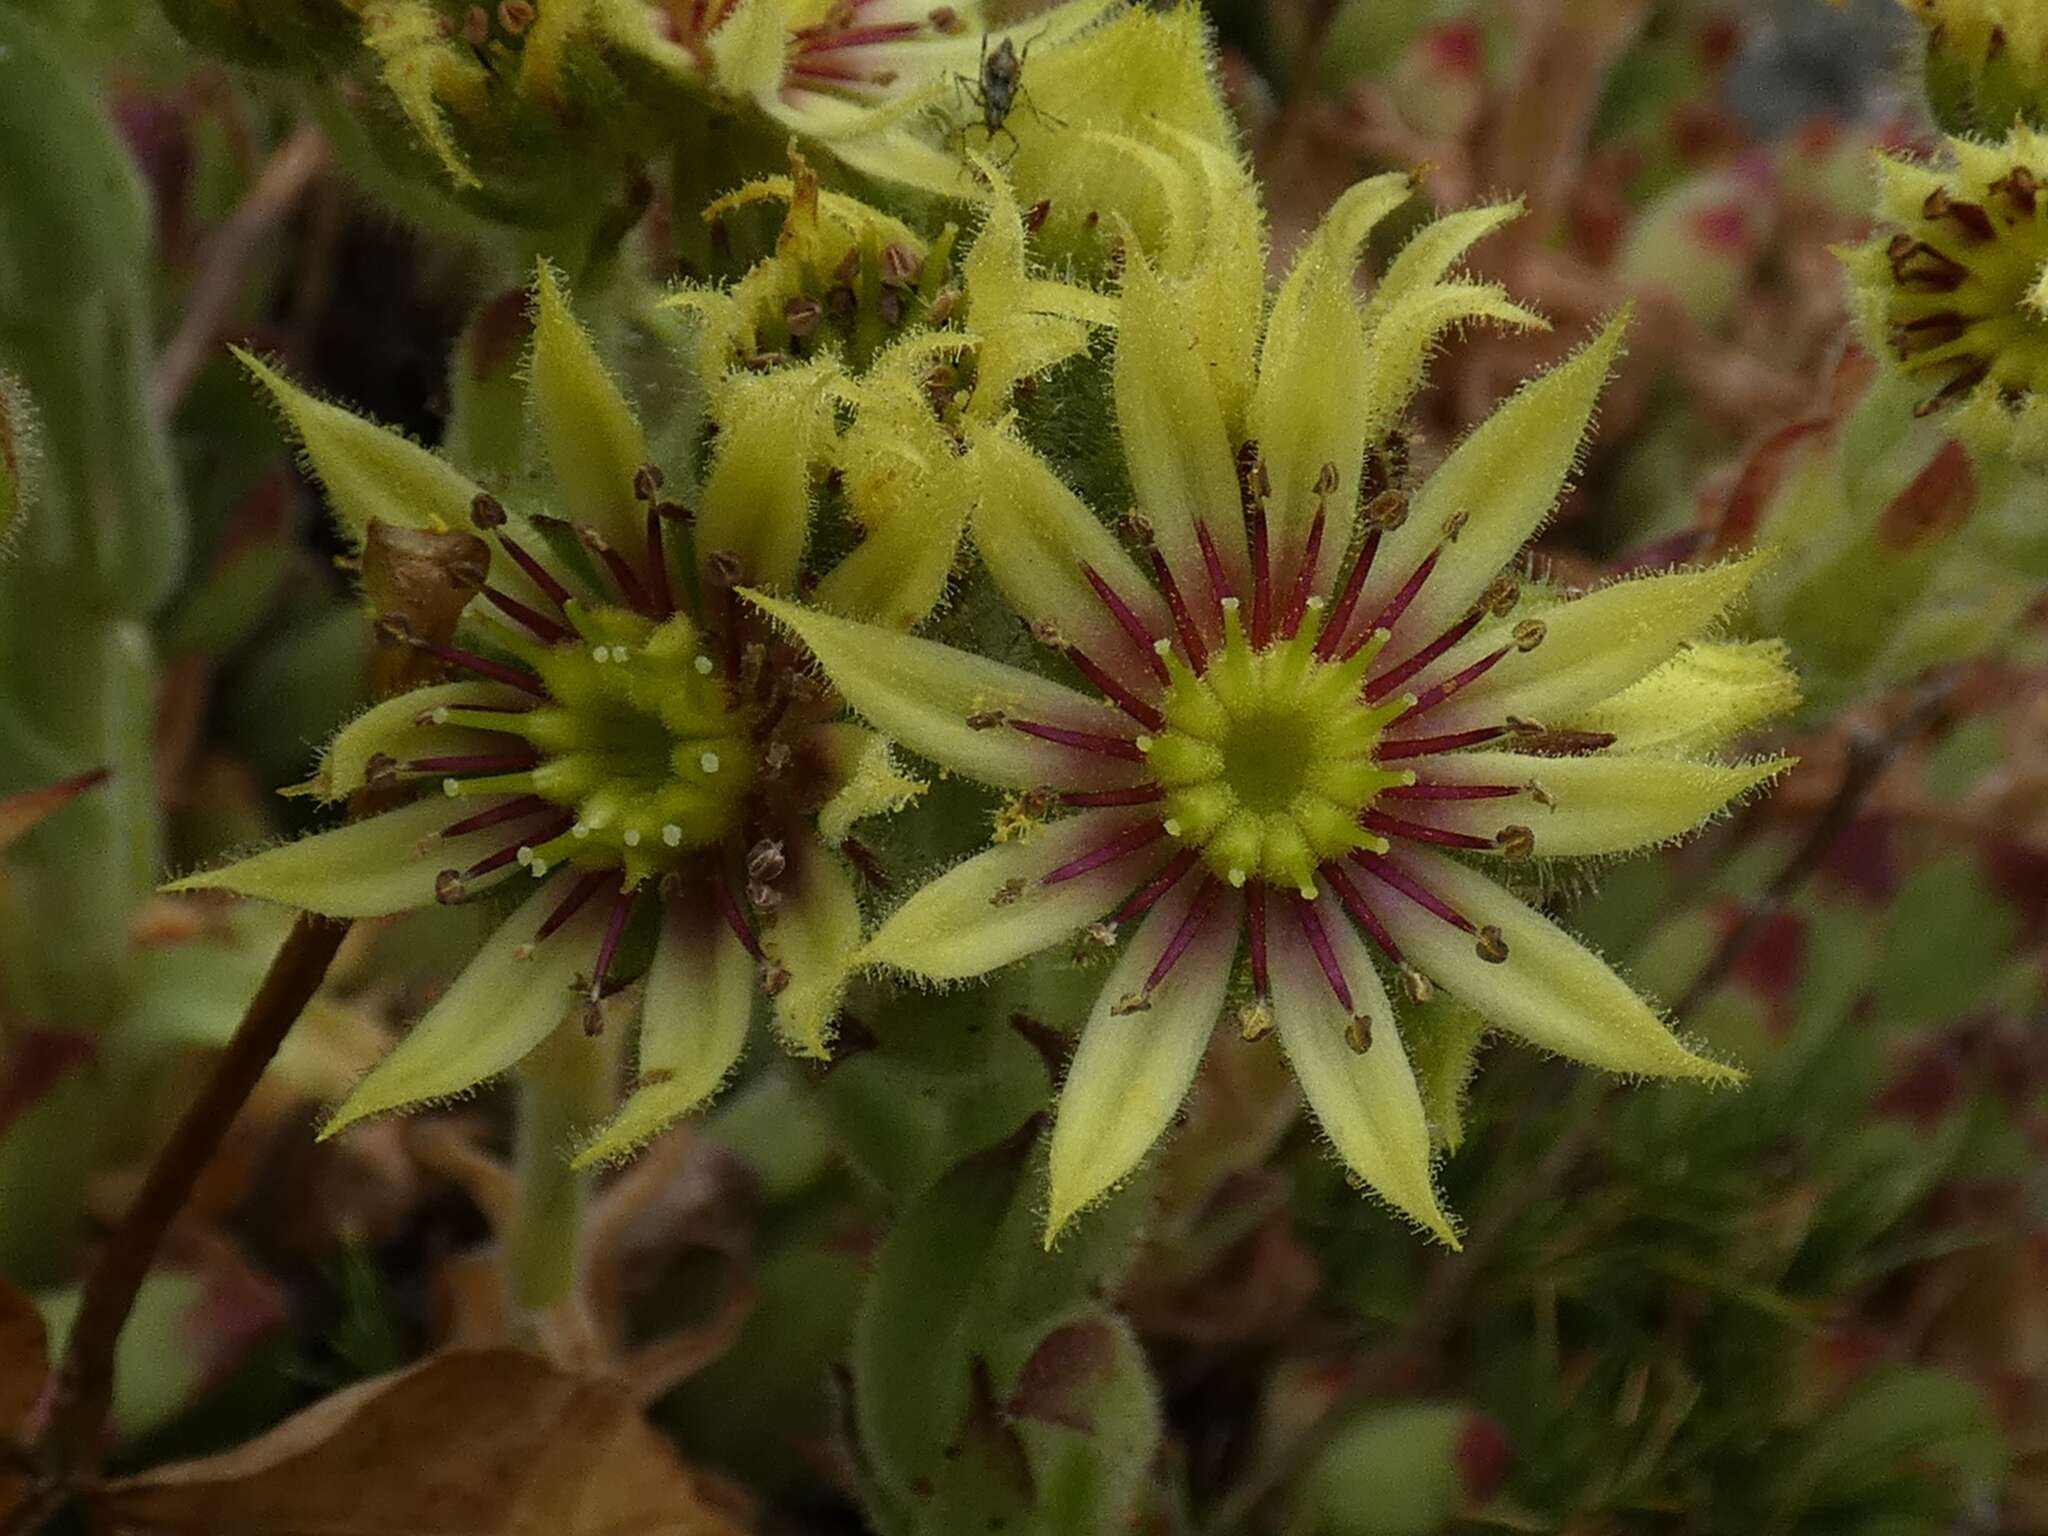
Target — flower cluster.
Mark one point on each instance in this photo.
(1302, 740)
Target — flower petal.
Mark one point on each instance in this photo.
(757, 499)
(594, 444)
(369, 868)
(1503, 479)
(993, 908)
(1551, 990)
(867, 779)
(748, 50)
(1178, 450)
(1132, 1070)
(1143, 71)
(1039, 542)
(1431, 252)
(811, 937)
(878, 147)
(1593, 647)
(911, 494)
(1224, 269)
(693, 1024)
(370, 473)
(1604, 803)
(506, 1001)
(391, 729)
(1310, 406)
(922, 694)
(1699, 700)
(1401, 343)
(1367, 1102)
(1023, 324)
(1307, 409)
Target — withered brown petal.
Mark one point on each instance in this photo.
(427, 578)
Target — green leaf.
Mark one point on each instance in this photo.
(959, 1296)
(1895, 1419)
(946, 1079)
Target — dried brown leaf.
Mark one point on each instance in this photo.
(467, 1443)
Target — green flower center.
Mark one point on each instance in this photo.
(637, 737)
(1267, 759)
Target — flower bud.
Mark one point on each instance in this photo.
(1950, 288)
(1986, 64)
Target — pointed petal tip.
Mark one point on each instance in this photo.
(1710, 1073)
(645, 1115)
(805, 1046)
(1059, 1217)
(1682, 1060)
(342, 1116)
(600, 1155)
(282, 391)
(547, 284)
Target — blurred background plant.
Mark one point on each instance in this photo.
(1817, 1305)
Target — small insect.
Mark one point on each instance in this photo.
(998, 88)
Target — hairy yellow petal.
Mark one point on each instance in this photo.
(1134, 1063)
(810, 939)
(594, 443)
(1699, 700)
(994, 908)
(370, 473)
(1367, 1102)
(757, 500)
(1551, 990)
(1578, 807)
(370, 868)
(693, 1025)
(1503, 480)
(912, 494)
(393, 729)
(1040, 541)
(952, 706)
(1179, 453)
(508, 999)
(1592, 648)
(869, 781)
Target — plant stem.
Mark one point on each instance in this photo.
(85, 1378)
(248, 233)
(564, 1091)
